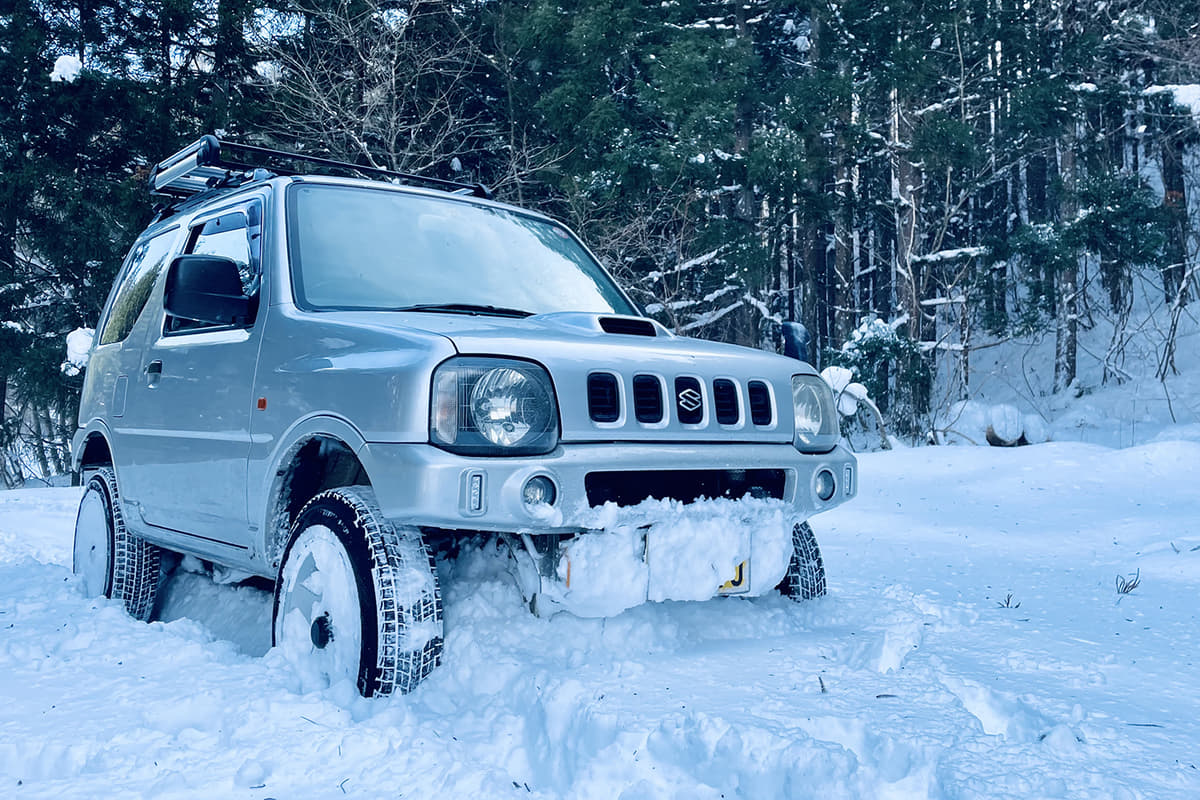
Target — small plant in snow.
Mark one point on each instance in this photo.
(1127, 583)
(1008, 602)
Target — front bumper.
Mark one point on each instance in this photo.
(418, 484)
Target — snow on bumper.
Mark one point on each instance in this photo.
(666, 550)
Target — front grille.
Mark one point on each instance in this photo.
(689, 401)
(760, 403)
(688, 404)
(647, 399)
(725, 401)
(687, 486)
(604, 397)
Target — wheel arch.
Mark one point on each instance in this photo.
(322, 453)
(92, 448)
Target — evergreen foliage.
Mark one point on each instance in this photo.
(974, 170)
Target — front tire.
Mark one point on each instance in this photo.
(111, 561)
(357, 598)
(805, 578)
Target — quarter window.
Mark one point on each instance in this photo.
(146, 263)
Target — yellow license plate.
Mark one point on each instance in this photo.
(740, 582)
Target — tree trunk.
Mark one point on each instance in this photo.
(907, 276)
(39, 443)
(53, 438)
(1175, 206)
(816, 311)
(843, 296)
(906, 178)
(1066, 329)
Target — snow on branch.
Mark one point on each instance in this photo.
(933, 302)
(678, 305)
(66, 69)
(944, 104)
(950, 255)
(1186, 95)
(951, 347)
(762, 308)
(709, 317)
(691, 263)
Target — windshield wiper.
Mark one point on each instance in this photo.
(467, 308)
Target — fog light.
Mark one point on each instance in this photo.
(825, 485)
(539, 490)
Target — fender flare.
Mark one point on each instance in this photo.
(319, 425)
(83, 435)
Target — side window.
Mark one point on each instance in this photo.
(146, 263)
(236, 235)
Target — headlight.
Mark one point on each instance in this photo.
(493, 406)
(815, 414)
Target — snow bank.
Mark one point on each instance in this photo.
(1001, 424)
(1116, 400)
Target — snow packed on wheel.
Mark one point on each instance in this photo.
(324, 380)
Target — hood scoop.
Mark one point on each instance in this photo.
(628, 325)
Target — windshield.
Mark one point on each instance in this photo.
(361, 248)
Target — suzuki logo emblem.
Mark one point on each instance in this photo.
(690, 400)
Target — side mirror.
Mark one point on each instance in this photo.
(207, 289)
(796, 340)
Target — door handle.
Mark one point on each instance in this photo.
(153, 373)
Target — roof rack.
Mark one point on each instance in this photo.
(209, 163)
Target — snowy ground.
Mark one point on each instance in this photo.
(973, 645)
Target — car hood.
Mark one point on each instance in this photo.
(573, 345)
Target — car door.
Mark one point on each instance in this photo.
(190, 403)
(120, 334)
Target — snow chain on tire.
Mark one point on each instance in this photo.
(136, 564)
(407, 597)
(805, 578)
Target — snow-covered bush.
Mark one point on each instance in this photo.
(849, 395)
(845, 390)
(890, 367)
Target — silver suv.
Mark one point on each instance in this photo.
(324, 380)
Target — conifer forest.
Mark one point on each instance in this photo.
(922, 179)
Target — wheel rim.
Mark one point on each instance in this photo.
(92, 556)
(319, 618)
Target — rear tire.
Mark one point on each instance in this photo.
(111, 561)
(357, 598)
(805, 578)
